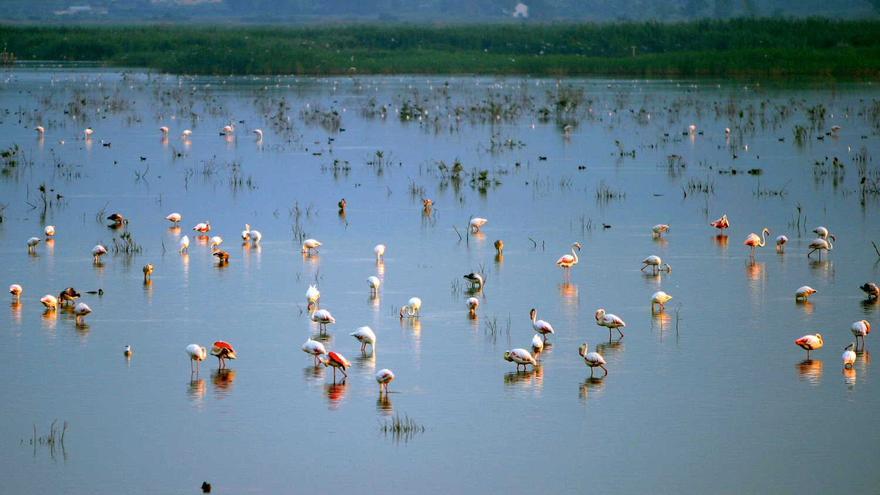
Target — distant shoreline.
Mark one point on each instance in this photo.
(765, 48)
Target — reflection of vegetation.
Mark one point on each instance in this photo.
(774, 47)
(54, 438)
(126, 245)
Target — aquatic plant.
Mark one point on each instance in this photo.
(401, 428)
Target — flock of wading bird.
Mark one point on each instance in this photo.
(522, 357)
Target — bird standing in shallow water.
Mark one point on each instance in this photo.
(537, 346)
(781, 241)
(202, 227)
(804, 293)
(336, 360)
(379, 250)
(310, 245)
(473, 303)
(871, 289)
(810, 343)
(16, 291)
(849, 356)
(174, 218)
(97, 252)
(32, 244)
(50, 302)
(384, 377)
(541, 327)
(412, 309)
(521, 357)
(81, 310)
(566, 261)
(659, 229)
(223, 351)
(184, 245)
(196, 354)
(592, 359)
(476, 224)
(365, 336)
(148, 272)
(660, 299)
(656, 264)
(476, 281)
(49, 231)
(68, 295)
(609, 321)
(860, 329)
(314, 348)
(821, 244)
(721, 224)
(323, 318)
(754, 242)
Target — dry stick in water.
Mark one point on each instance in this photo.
(875, 248)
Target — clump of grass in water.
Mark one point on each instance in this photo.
(54, 438)
(125, 244)
(605, 193)
(493, 329)
(402, 428)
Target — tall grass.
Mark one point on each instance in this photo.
(738, 47)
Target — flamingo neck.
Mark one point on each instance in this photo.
(763, 239)
(574, 253)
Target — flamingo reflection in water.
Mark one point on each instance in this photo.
(335, 393)
(810, 370)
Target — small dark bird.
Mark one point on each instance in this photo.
(342, 204)
(117, 219)
(206, 487)
(68, 295)
(871, 289)
(222, 256)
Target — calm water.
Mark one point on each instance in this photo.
(711, 396)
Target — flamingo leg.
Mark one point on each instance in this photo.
(621, 333)
(591, 372)
(604, 369)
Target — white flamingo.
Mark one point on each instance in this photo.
(323, 318)
(521, 357)
(860, 330)
(196, 354)
(659, 229)
(312, 295)
(537, 345)
(174, 218)
(609, 321)
(477, 223)
(81, 310)
(660, 298)
(380, 252)
(97, 252)
(383, 378)
(566, 261)
(310, 245)
(32, 244)
(473, 303)
(314, 348)
(849, 357)
(202, 227)
(184, 244)
(49, 231)
(592, 359)
(656, 264)
(821, 244)
(821, 232)
(803, 293)
(374, 283)
(413, 308)
(781, 241)
(259, 134)
(541, 327)
(16, 291)
(50, 302)
(810, 343)
(754, 242)
(365, 336)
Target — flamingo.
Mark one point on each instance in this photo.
(323, 318)
(659, 229)
(660, 298)
(721, 224)
(50, 302)
(609, 321)
(312, 296)
(537, 345)
(835, 130)
(860, 329)
(184, 244)
(566, 261)
(68, 295)
(727, 131)
(803, 293)
(849, 357)
(692, 129)
(780, 243)
(871, 289)
(309, 245)
(97, 252)
(476, 224)
(380, 252)
(174, 218)
(521, 357)
(592, 359)
(203, 227)
(117, 219)
(49, 231)
(246, 233)
(164, 130)
(16, 291)
(196, 353)
(216, 241)
(374, 283)
(148, 272)
(40, 130)
(540, 326)
(228, 129)
(32, 244)
(427, 204)
(412, 309)
(810, 343)
(821, 244)
(821, 232)
(127, 351)
(336, 360)
(499, 247)
(81, 310)
(256, 236)
(314, 348)
(365, 336)
(223, 351)
(475, 279)
(88, 132)
(383, 378)
(222, 256)
(754, 242)
(185, 135)
(655, 263)
(473, 303)
(259, 133)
